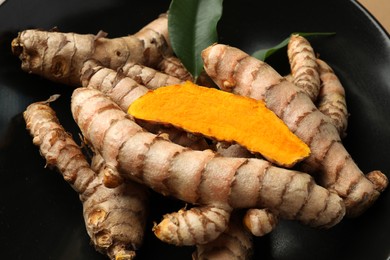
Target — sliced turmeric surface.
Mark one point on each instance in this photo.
(222, 116)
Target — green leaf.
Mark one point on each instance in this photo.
(192, 26)
(265, 53)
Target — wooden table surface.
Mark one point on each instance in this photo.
(380, 9)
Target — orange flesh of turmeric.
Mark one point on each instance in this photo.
(224, 117)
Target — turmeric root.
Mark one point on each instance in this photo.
(114, 218)
(150, 78)
(170, 64)
(57, 146)
(260, 221)
(318, 80)
(195, 226)
(246, 121)
(304, 68)
(174, 67)
(235, 243)
(200, 177)
(116, 214)
(124, 90)
(235, 71)
(331, 99)
(60, 56)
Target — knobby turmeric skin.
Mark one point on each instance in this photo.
(233, 244)
(260, 221)
(331, 98)
(59, 56)
(115, 219)
(318, 80)
(235, 71)
(304, 68)
(199, 177)
(170, 64)
(148, 77)
(222, 116)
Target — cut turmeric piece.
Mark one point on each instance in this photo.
(224, 117)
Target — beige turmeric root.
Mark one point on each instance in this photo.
(260, 221)
(199, 177)
(170, 64)
(150, 78)
(118, 213)
(174, 67)
(114, 218)
(245, 121)
(60, 56)
(195, 226)
(304, 68)
(319, 81)
(235, 71)
(124, 90)
(331, 98)
(234, 244)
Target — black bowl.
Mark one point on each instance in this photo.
(40, 215)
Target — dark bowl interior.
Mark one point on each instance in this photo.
(40, 215)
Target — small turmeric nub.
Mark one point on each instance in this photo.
(224, 117)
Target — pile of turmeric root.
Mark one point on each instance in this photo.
(231, 192)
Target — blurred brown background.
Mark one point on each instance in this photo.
(380, 9)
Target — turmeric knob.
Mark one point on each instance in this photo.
(260, 221)
(224, 117)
